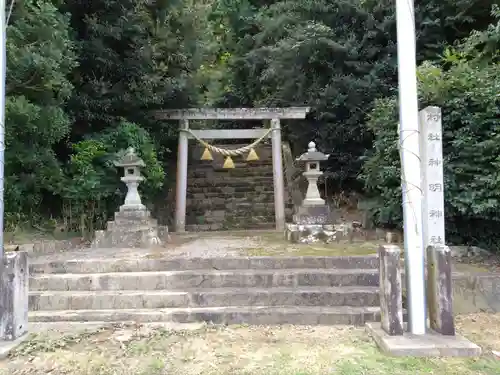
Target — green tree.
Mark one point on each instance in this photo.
(135, 56)
(306, 53)
(467, 91)
(40, 55)
(332, 55)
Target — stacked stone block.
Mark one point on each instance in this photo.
(225, 199)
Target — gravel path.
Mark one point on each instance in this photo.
(192, 246)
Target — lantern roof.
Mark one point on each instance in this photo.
(130, 159)
(312, 154)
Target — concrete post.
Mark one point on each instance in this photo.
(279, 185)
(391, 291)
(439, 290)
(181, 187)
(14, 296)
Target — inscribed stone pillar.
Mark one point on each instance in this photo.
(279, 185)
(439, 290)
(431, 147)
(391, 293)
(181, 186)
(14, 296)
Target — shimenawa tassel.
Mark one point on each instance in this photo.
(206, 155)
(228, 163)
(252, 155)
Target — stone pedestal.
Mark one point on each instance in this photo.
(131, 228)
(315, 215)
(14, 296)
(391, 291)
(439, 290)
(311, 224)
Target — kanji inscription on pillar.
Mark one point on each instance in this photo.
(431, 151)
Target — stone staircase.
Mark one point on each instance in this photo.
(239, 198)
(226, 290)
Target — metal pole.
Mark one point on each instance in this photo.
(3, 71)
(410, 166)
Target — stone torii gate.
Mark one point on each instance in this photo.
(272, 114)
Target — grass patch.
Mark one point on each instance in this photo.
(240, 350)
(30, 235)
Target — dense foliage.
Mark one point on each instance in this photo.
(40, 57)
(333, 55)
(82, 80)
(84, 77)
(466, 85)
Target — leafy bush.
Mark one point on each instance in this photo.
(92, 188)
(468, 93)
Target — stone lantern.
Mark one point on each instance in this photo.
(133, 225)
(312, 158)
(131, 164)
(312, 221)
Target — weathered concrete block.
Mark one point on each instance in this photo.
(310, 233)
(312, 215)
(431, 344)
(476, 293)
(391, 296)
(14, 296)
(131, 228)
(439, 290)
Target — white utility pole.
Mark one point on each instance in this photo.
(3, 71)
(410, 166)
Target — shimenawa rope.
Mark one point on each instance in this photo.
(226, 152)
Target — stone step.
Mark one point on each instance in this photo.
(258, 315)
(117, 265)
(239, 163)
(223, 188)
(191, 227)
(266, 203)
(235, 212)
(228, 179)
(230, 222)
(211, 214)
(146, 299)
(236, 173)
(162, 280)
(244, 211)
(227, 196)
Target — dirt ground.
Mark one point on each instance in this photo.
(240, 350)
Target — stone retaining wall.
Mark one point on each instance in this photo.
(239, 198)
(476, 293)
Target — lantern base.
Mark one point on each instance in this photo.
(313, 215)
(138, 208)
(133, 227)
(312, 224)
